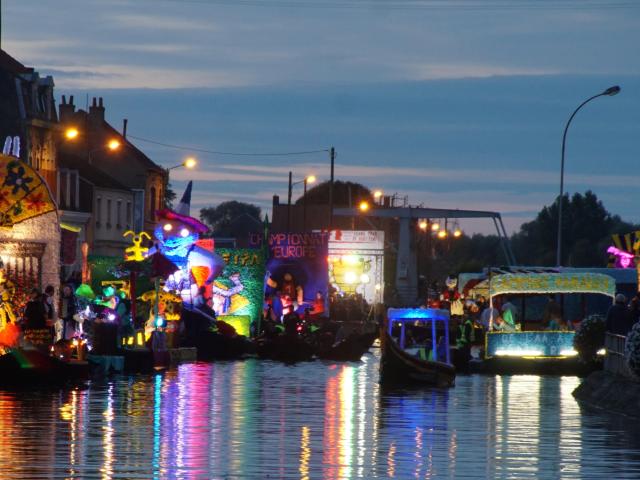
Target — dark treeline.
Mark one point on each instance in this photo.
(587, 230)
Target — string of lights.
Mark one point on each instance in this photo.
(236, 154)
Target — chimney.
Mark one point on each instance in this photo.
(96, 113)
(66, 110)
(124, 128)
(276, 201)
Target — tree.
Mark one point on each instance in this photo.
(586, 231)
(169, 196)
(342, 193)
(232, 219)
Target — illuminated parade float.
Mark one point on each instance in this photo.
(541, 339)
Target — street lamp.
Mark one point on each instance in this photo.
(306, 180)
(377, 195)
(609, 92)
(423, 225)
(363, 206)
(71, 133)
(188, 163)
(113, 145)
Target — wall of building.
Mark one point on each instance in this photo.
(109, 227)
(45, 230)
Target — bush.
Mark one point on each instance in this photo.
(589, 337)
(632, 349)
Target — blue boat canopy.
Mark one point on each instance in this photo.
(413, 314)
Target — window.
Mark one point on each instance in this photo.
(152, 203)
(128, 215)
(119, 214)
(98, 211)
(64, 187)
(109, 213)
(73, 190)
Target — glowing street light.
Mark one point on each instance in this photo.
(71, 133)
(457, 233)
(311, 179)
(113, 145)
(363, 206)
(423, 225)
(442, 234)
(377, 194)
(435, 227)
(188, 163)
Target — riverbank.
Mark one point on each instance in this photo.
(613, 393)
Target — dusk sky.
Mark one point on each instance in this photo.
(457, 104)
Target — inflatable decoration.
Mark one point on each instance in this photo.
(176, 237)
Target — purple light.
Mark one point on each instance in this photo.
(623, 259)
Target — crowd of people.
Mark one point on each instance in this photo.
(43, 312)
(622, 316)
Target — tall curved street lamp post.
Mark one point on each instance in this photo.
(609, 92)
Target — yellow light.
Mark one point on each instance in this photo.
(113, 145)
(350, 277)
(435, 227)
(350, 259)
(423, 224)
(311, 179)
(442, 234)
(364, 278)
(377, 194)
(457, 233)
(190, 162)
(602, 351)
(364, 206)
(167, 227)
(568, 353)
(518, 353)
(71, 133)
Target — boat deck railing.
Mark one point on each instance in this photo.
(614, 360)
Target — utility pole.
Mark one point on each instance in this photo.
(332, 154)
(289, 201)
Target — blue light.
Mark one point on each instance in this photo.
(405, 314)
(159, 322)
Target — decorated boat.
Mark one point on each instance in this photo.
(532, 344)
(415, 348)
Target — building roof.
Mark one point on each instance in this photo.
(7, 62)
(90, 173)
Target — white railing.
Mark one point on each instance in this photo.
(614, 360)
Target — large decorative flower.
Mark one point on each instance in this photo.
(36, 201)
(16, 178)
(4, 197)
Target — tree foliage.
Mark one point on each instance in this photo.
(586, 231)
(344, 193)
(232, 219)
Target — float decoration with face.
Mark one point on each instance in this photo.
(176, 235)
(450, 298)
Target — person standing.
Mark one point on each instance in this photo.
(55, 328)
(68, 308)
(619, 320)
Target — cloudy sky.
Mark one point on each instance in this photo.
(457, 103)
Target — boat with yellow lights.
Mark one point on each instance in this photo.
(534, 343)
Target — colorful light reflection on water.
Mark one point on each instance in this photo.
(315, 420)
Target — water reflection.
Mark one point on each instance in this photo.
(316, 420)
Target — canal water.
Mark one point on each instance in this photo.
(256, 419)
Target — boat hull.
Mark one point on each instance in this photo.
(399, 368)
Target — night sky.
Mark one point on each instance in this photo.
(457, 104)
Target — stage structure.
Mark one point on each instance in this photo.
(406, 266)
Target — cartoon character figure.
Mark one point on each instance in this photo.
(223, 297)
(176, 237)
(136, 252)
